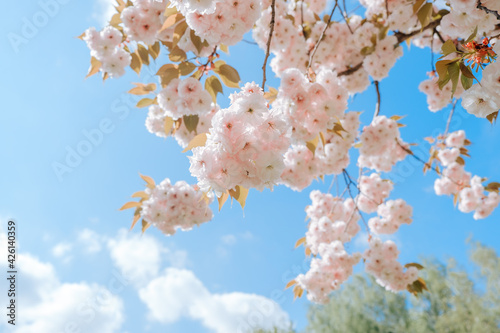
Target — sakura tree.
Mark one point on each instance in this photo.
(303, 129)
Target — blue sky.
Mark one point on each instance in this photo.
(70, 227)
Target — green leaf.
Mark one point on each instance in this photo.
(177, 55)
(228, 75)
(213, 86)
(466, 71)
(448, 47)
(191, 122)
(196, 40)
(186, 67)
(417, 5)
(492, 117)
(167, 73)
(136, 63)
(472, 36)
(466, 82)
(144, 54)
(454, 71)
(424, 14)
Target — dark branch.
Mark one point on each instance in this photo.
(271, 30)
(377, 107)
(401, 38)
(487, 10)
(311, 57)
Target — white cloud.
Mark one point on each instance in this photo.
(90, 240)
(178, 292)
(103, 11)
(46, 305)
(61, 250)
(229, 239)
(137, 257)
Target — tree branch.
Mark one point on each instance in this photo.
(449, 118)
(271, 30)
(401, 38)
(377, 107)
(311, 57)
(487, 10)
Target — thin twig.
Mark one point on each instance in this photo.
(349, 181)
(377, 107)
(449, 118)
(209, 60)
(249, 42)
(271, 30)
(487, 10)
(401, 38)
(439, 35)
(311, 56)
(432, 50)
(343, 12)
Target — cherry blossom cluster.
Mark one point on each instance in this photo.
(302, 166)
(456, 181)
(438, 99)
(464, 17)
(184, 97)
(392, 214)
(334, 155)
(381, 145)
(373, 190)
(310, 108)
(483, 99)
(220, 21)
(379, 63)
(143, 21)
(382, 264)
(245, 145)
(398, 13)
(332, 219)
(155, 123)
(106, 46)
(338, 50)
(328, 271)
(179, 206)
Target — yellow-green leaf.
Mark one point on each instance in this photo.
(145, 102)
(140, 194)
(239, 194)
(131, 204)
(290, 283)
(145, 225)
(300, 242)
(448, 47)
(424, 14)
(143, 53)
(149, 181)
(197, 141)
(186, 67)
(171, 21)
(167, 125)
(311, 145)
(136, 63)
(228, 75)
(213, 86)
(191, 122)
(95, 65)
(137, 216)
(177, 55)
(222, 199)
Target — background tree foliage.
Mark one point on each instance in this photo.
(458, 301)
